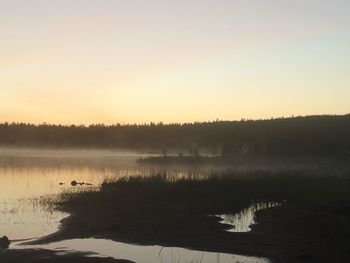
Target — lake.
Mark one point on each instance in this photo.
(28, 177)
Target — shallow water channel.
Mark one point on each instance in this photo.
(28, 177)
(242, 221)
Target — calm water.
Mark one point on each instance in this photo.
(242, 221)
(28, 177)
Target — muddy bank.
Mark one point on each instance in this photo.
(284, 234)
(43, 256)
(176, 214)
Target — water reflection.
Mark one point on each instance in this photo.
(22, 198)
(148, 254)
(25, 218)
(27, 177)
(243, 220)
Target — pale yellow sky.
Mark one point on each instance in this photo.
(173, 61)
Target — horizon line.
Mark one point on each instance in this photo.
(38, 124)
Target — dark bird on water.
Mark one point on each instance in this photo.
(4, 242)
(74, 183)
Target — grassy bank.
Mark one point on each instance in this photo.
(168, 210)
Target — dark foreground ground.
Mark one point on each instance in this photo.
(312, 226)
(44, 256)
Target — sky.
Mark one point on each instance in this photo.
(114, 61)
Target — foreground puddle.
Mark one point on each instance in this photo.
(242, 221)
(145, 254)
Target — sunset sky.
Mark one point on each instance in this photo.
(94, 61)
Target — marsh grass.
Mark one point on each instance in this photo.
(163, 208)
(222, 192)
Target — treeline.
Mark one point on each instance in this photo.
(300, 135)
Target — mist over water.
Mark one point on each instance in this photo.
(29, 176)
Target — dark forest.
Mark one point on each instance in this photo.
(324, 135)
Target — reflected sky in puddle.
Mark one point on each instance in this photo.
(147, 254)
(243, 220)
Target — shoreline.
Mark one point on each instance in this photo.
(267, 239)
(281, 234)
(44, 255)
(153, 211)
